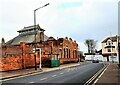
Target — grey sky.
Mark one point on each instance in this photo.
(78, 19)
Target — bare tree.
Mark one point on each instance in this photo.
(91, 44)
(87, 43)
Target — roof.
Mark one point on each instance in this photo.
(114, 39)
(51, 39)
(30, 28)
(27, 35)
(27, 38)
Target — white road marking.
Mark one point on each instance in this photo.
(43, 78)
(31, 82)
(54, 75)
(61, 73)
(72, 69)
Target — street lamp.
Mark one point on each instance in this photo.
(36, 32)
(119, 50)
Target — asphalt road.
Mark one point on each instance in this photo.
(78, 74)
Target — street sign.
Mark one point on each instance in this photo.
(38, 50)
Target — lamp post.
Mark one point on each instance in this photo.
(119, 50)
(36, 32)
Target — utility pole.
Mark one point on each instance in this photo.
(119, 50)
(111, 48)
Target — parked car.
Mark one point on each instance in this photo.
(95, 61)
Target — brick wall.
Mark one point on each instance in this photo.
(17, 57)
(11, 62)
(64, 44)
(22, 56)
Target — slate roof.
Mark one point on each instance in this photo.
(114, 39)
(28, 37)
(29, 28)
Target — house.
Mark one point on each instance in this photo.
(18, 52)
(110, 48)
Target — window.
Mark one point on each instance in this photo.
(109, 50)
(109, 42)
(64, 53)
(74, 53)
(60, 53)
(53, 57)
(69, 53)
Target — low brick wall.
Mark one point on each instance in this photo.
(11, 62)
(20, 57)
(68, 60)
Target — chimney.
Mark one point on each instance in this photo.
(70, 39)
(66, 38)
(74, 41)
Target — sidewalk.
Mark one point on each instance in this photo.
(11, 74)
(110, 76)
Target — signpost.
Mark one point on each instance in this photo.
(39, 50)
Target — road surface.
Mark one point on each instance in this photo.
(78, 74)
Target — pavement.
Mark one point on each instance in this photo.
(11, 74)
(111, 75)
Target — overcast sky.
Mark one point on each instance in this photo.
(78, 19)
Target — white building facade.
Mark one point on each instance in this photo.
(110, 49)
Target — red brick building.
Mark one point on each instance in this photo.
(18, 52)
(66, 49)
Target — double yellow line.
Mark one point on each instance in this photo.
(91, 80)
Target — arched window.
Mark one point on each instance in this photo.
(60, 52)
(109, 42)
(74, 53)
(64, 53)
